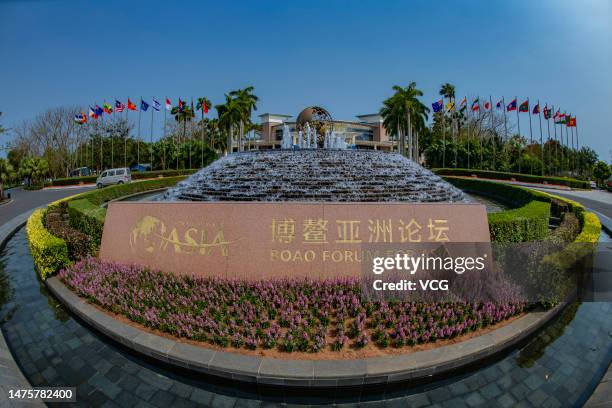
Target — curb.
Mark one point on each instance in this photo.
(320, 374)
(11, 376)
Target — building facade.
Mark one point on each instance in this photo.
(367, 132)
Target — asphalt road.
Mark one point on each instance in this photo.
(598, 200)
(24, 200)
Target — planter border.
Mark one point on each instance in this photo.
(267, 371)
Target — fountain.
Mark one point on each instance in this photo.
(333, 174)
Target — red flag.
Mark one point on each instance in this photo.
(181, 104)
(571, 122)
(524, 107)
(131, 105)
(205, 107)
(168, 104)
(487, 105)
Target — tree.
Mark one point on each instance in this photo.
(447, 90)
(230, 113)
(601, 171)
(6, 173)
(248, 103)
(405, 102)
(35, 169)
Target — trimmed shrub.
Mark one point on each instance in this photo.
(500, 175)
(528, 223)
(50, 253)
(79, 245)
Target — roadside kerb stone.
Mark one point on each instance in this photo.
(304, 373)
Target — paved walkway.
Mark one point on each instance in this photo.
(24, 200)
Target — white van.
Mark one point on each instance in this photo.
(114, 176)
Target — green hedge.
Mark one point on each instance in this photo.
(69, 181)
(86, 213)
(499, 175)
(50, 253)
(527, 223)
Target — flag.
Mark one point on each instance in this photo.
(556, 116)
(571, 122)
(476, 105)
(524, 107)
(547, 113)
(119, 106)
(92, 113)
(511, 106)
(168, 104)
(80, 118)
(437, 106)
(450, 106)
(561, 119)
(131, 105)
(205, 107)
(463, 102)
(143, 106)
(500, 105)
(99, 111)
(487, 105)
(536, 109)
(181, 105)
(108, 108)
(156, 105)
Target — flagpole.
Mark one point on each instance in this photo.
(479, 136)
(202, 141)
(127, 133)
(541, 138)
(518, 122)
(530, 132)
(567, 124)
(151, 145)
(505, 139)
(468, 132)
(164, 133)
(492, 130)
(454, 130)
(577, 144)
(548, 140)
(139, 135)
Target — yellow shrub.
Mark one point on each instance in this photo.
(50, 253)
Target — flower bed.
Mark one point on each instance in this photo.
(287, 315)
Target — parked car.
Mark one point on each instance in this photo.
(593, 185)
(114, 176)
(81, 172)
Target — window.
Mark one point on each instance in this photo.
(111, 173)
(103, 174)
(120, 172)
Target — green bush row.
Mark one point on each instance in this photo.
(528, 178)
(50, 253)
(516, 196)
(87, 215)
(69, 181)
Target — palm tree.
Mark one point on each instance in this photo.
(230, 113)
(405, 103)
(183, 114)
(248, 103)
(447, 90)
(6, 173)
(203, 105)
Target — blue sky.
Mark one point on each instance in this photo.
(343, 55)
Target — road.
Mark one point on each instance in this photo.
(24, 200)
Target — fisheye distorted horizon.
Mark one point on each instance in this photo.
(342, 55)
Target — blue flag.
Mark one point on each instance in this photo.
(143, 106)
(437, 106)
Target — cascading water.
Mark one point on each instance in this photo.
(342, 175)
